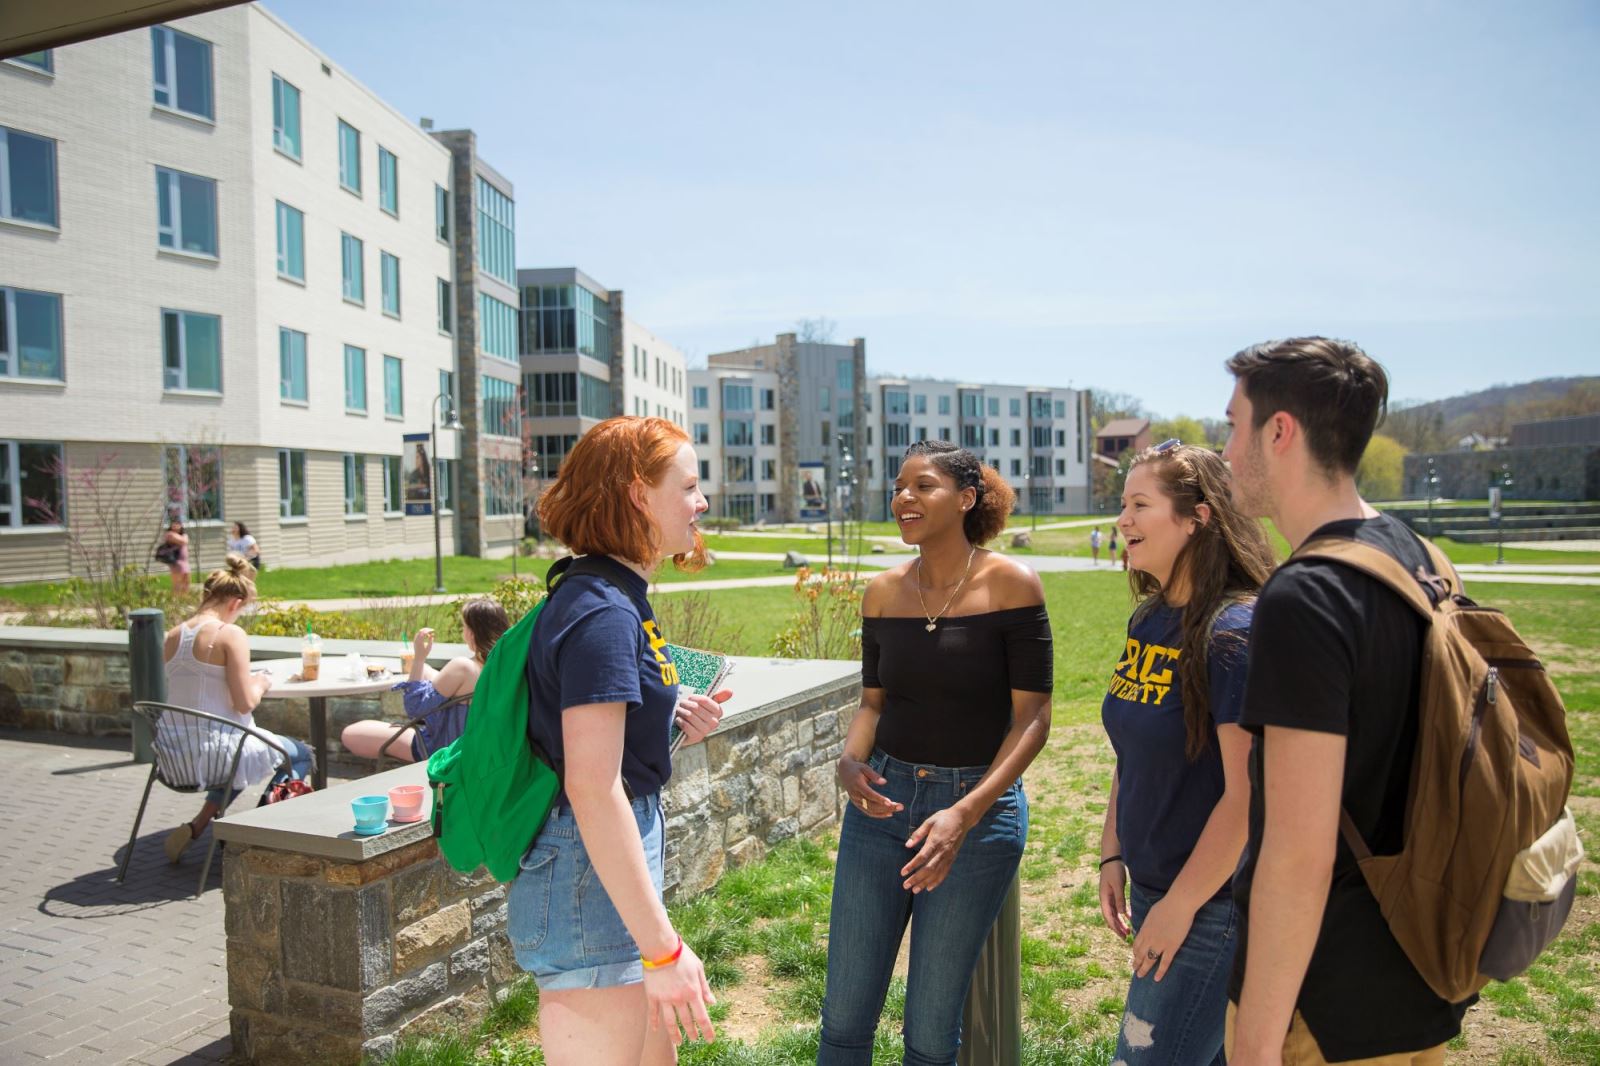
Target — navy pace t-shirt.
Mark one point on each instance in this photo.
(1163, 799)
(597, 642)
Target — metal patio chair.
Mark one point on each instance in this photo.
(415, 723)
(191, 761)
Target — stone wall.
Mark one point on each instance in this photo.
(329, 961)
(1557, 472)
(764, 778)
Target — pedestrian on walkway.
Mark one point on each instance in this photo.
(208, 669)
(1113, 545)
(1335, 660)
(1094, 545)
(441, 697)
(616, 981)
(174, 552)
(1175, 821)
(955, 704)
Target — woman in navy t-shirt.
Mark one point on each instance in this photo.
(585, 915)
(1176, 821)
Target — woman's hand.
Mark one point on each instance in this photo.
(698, 716)
(677, 997)
(940, 837)
(263, 682)
(1114, 898)
(1163, 932)
(422, 643)
(857, 779)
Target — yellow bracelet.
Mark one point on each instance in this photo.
(665, 960)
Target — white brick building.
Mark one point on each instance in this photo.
(214, 238)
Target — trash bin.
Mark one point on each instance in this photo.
(147, 674)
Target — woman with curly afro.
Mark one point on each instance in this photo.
(955, 704)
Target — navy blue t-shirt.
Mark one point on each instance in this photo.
(597, 642)
(1163, 799)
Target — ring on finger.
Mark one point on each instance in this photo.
(1152, 955)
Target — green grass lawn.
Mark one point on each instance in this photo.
(762, 930)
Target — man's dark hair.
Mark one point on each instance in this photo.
(1334, 390)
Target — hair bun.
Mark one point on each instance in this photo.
(238, 564)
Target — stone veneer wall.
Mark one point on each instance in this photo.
(1550, 472)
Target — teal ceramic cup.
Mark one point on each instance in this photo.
(371, 811)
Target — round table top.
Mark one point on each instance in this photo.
(335, 679)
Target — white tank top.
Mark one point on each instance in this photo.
(203, 686)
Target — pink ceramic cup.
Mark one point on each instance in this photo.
(407, 802)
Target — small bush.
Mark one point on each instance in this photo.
(690, 619)
(828, 623)
(274, 619)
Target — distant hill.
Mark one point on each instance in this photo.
(1438, 424)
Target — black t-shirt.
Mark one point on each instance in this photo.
(597, 642)
(1335, 651)
(947, 694)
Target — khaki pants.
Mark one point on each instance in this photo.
(1300, 1048)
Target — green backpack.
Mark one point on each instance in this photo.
(492, 793)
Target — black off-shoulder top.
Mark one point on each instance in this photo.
(947, 694)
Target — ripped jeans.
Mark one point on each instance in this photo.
(1179, 1020)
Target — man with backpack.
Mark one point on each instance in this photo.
(1332, 698)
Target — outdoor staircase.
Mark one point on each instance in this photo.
(1519, 521)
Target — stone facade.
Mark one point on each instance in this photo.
(398, 945)
(84, 692)
(1556, 472)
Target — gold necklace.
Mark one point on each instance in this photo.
(933, 619)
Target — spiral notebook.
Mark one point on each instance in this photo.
(700, 672)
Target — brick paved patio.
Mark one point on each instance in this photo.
(90, 970)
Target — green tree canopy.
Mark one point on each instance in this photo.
(1379, 475)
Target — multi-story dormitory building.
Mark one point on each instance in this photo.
(762, 416)
(219, 252)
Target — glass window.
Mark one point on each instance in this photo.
(500, 486)
(769, 470)
(896, 402)
(30, 335)
(737, 397)
(445, 314)
(394, 401)
(45, 60)
(738, 468)
(552, 395)
(186, 209)
(291, 483)
(568, 318)
(1061, 409)
(497, 251)
(291, 364)
(32, 484)
(1016, 407)
(971, 405)
(499, 407)
(182, 67)
(769, 434)
(392, 499)
(353, 280)
(27, 177)
(388, 181)
(441, 212)
(705, 470)
(389, 270)
(193, 478)
(846, 371)
(447, 386)
(895, 434)
(349, 157)
(699, 397)
(1061, 466)
(444, 483)
(1016, 468)
(594, 397)
(192, 350)
(994, 406)
(355, 484)
(355, 378)
(920, 403)
(497, 327)
(769, 399)
(291, 242)
(824, 399)
(1016, 438)
(285, 117)
(994, 438)
(702, 433)
(738, 433)
(944, 405)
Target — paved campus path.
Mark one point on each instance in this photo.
(90, 970)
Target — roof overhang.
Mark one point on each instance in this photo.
(33, 25)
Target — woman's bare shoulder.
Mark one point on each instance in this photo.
(880, 589)
(1012, 583)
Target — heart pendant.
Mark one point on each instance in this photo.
(931, 626)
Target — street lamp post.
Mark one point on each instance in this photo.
(538, 487)
(1499, 515)
(1432, 482)
(449, 412)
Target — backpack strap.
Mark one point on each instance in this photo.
(1420, 590)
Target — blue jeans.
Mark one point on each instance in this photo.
(1179, 1020)
(563, 927)
(300, 759)
(948, 925)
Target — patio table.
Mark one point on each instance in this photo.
(334, 679)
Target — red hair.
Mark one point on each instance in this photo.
(590, 508)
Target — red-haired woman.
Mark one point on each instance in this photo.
(616, 982)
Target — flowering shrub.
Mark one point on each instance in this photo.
(827, 624)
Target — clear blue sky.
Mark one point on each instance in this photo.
(1118, 196)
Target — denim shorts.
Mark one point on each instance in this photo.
(562, 925)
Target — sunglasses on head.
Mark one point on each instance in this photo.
(1167, 445)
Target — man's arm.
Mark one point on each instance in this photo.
(1303, 777)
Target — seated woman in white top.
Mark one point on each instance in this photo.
(208, 669)
(439, 697)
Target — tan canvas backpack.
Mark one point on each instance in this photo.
(1489, 865)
